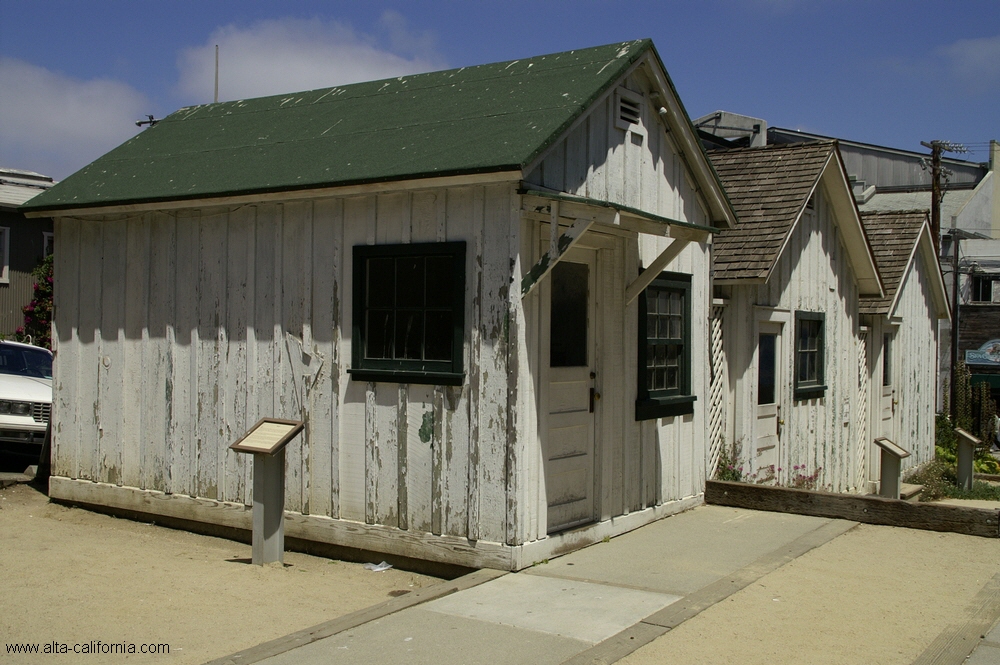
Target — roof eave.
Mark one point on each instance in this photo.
(925, 244)
(421, 181)
(859, 249)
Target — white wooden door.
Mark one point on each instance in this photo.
(568, 350)
(888, 398)
(769, 382)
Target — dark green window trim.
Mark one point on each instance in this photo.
(437, 295)
(810, 354)
(662, 395)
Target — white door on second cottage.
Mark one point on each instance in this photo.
(888, 399)
(568, 354)
(769, 382)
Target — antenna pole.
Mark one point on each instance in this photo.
(216, 73)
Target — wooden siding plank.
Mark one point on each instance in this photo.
(353, 436)
(136, 370)
(159, 398)
(493, 356)
(183, 355)
(324, 392)
(417, 474)
(518, 384)
(383, 474)
(554, 168)
(577, 165)
(212, 340)
(111, 375)
(615, 157)
(67, 410)
(293, 373)
(451, 439)
(240, 256)
(534, 500)
(423, 216)
(261, 400)
(597, 152)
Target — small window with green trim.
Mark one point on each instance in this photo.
(810, 341)
(409, 313)
(664, 361)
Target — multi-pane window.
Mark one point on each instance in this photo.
(409, 312)
(982, 288)
(664, 338)
(809, 354)
(664, 348)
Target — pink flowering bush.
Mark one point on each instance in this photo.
(38, 313)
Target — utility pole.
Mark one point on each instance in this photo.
(953, 388)
(936, 148)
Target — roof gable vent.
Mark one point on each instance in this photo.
(628, 110)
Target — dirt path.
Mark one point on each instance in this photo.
(123, 581)
(875, 595)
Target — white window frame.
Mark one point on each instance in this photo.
(47, 242)
(5, 255)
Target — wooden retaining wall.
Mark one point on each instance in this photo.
(867, 509)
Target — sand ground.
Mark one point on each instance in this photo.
(876, 595)
(72, 576)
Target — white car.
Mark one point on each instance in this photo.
(25, 396)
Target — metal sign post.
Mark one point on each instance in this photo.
(266, 441)
(966, 457)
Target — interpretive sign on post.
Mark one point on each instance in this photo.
(965, 458)
(890, 476)
(266, 441)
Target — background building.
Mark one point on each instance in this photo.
(23, 243)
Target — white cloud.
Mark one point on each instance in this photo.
(54, 124)
(974, 62)
(288, 55)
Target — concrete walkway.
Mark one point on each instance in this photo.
(595, 605)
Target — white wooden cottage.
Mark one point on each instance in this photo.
(903, 335)
(484, 290)
(789, 277)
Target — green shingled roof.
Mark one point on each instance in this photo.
(471, 120)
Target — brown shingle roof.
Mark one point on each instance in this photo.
(768, 188)
(892, 236)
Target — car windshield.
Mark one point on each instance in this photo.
(22, 361)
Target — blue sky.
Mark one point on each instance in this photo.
(76, 74)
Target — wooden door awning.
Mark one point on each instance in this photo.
(581, 214)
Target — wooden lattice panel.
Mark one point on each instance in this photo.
(717, 393)
(861, 469)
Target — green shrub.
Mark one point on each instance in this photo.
(729, 467)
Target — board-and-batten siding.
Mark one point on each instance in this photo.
(179, 331)
(914, 360)
(600, 161)
(812, 274)
(916, 353)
